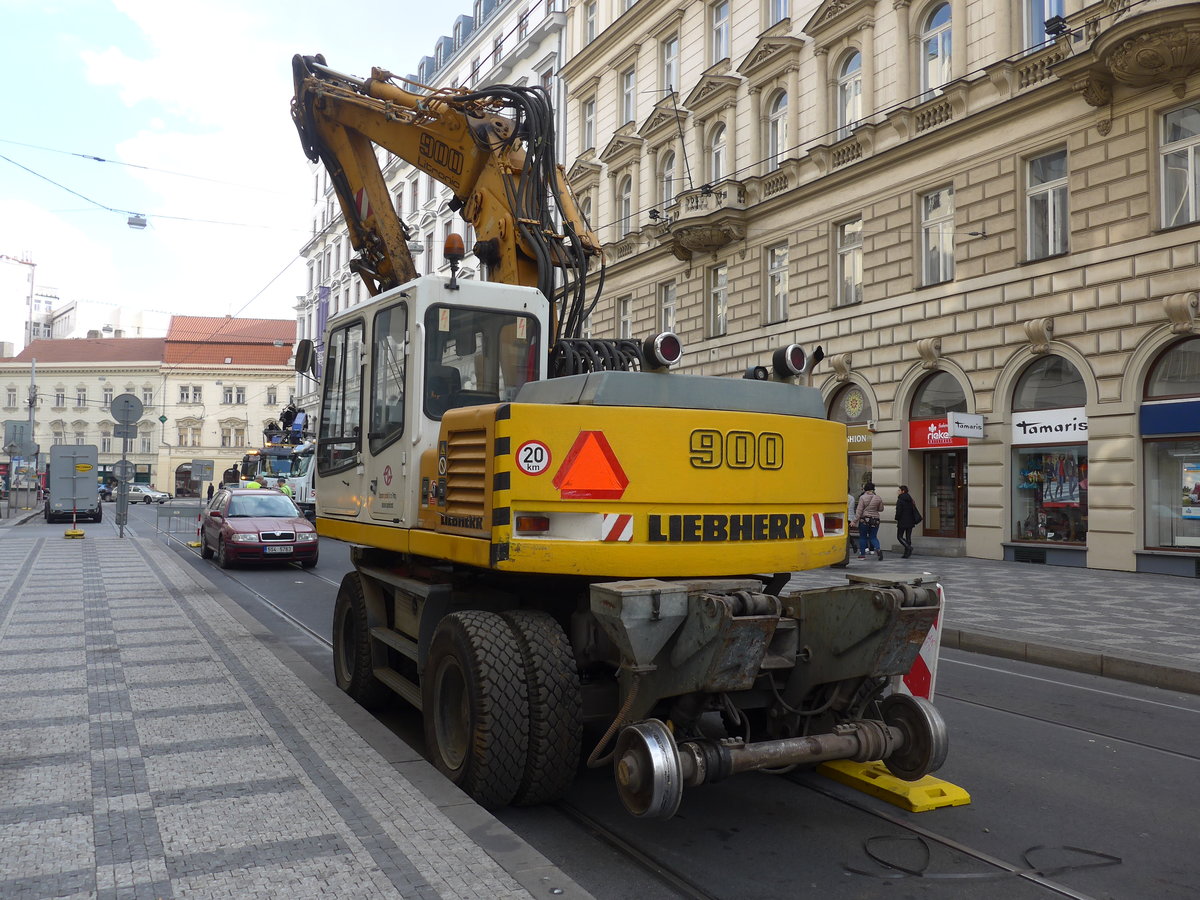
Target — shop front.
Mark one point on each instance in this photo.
(1049, 440)
(1169, 422)
(943, 460)
(852, 407)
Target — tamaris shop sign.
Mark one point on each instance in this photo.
(932, 434)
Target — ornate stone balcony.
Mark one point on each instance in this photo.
(705, 219)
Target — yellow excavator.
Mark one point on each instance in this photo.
(555, 537)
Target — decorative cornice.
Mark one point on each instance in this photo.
(930, 351)
(1182, 311)
(1038, 332)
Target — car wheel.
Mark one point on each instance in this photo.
(223, 559)
(205, 550)
(308, 563)
(146, 501)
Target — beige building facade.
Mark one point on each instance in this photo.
(984, 213)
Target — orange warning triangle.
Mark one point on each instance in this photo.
(590, 470)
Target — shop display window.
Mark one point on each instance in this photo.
(1050, 494)
(1173, 494)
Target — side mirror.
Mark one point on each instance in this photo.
(306, 357)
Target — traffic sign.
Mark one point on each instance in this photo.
(163, 419)
(591, 470)
(127, 432)
(126, 409)
(202, 469)
(123, 470)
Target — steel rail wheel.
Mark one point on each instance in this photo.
(555, 707)
(476, 706)
(352, 668)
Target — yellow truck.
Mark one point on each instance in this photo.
(555, 537)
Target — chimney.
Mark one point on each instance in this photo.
(93, 333)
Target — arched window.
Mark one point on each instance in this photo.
(940, 394)
(625, 205)
(777, 130)
(852, 406)
(1177, 372)
(717, 161)
(935, 50)
(666, 178)
(849, 99)
(1050, 383)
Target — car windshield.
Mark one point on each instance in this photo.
(263, 505)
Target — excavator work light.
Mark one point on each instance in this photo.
(455, 250)
(756, 373)
(662, 351)
(788, 362)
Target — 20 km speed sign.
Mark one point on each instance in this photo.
(533, 457)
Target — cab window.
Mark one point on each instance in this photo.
(388, 345)
(476, 356)
(341, 400)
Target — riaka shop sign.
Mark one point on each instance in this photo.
(1051, 426)
(932, 434)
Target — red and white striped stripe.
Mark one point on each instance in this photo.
(363, 202)
(616, 527)
(922, 677)
(817, 522)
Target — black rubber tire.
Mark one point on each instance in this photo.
(308, 563)
(352, 646)
(555, 707)
(99, 516)
(205, 550)
(476, 706)
(223, 559)
(146, 500)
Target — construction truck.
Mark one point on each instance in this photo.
(275, 459)
(554, 536)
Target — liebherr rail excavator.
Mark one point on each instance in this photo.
(554, 536)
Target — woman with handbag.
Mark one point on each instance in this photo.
(907, 518)
(868, 512)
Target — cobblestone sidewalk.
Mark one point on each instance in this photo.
(150, 746)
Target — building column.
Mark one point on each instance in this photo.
(904, 53)
(758, 127)
(867, 37)
(793, 113)
(821, 54)
(958, 38)
(1002, 30)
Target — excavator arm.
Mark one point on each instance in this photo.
(500, 168)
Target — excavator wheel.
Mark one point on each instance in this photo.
(555, 707)
(352, 646)
(476, 706)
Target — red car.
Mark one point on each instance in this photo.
(256, 525)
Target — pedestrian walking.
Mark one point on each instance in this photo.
(210, 490)
(907, 518)
(851, 503)
(868, 512)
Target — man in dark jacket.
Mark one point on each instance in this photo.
(907, 518)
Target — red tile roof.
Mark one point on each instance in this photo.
(203, 354)
(230, 330)
(92, 350)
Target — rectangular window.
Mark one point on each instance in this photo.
(666, 306)
(628, 95)
(80, 438)
(587, 125)
(1172, 494)
(589, 21)
(1046, 204)
(497, 50)
(777, 11)
(145, 445)
(58, 439)
(1050, 494)
(777, 283)
(850, 262)
(414, 193)
(185, 393)
(341, 401)
(937, 236)
(548, 79)
(147, 396)
(1180, 174)
(239, 395)
(719, 13)
(1036, 14)
(625, 317)
(197, 395)
(60, 398)
(106, 397)
(12, 398)
(106, 443)
(669, 50)
(718, 300)
(272, 397)
(522, 27)
(80, 397)
(227, 395)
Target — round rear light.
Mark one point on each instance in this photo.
(663, 350)
(788, 361)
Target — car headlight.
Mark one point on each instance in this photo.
(306, 537)
(244, 538)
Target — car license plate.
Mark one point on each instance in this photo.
(286, 548)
